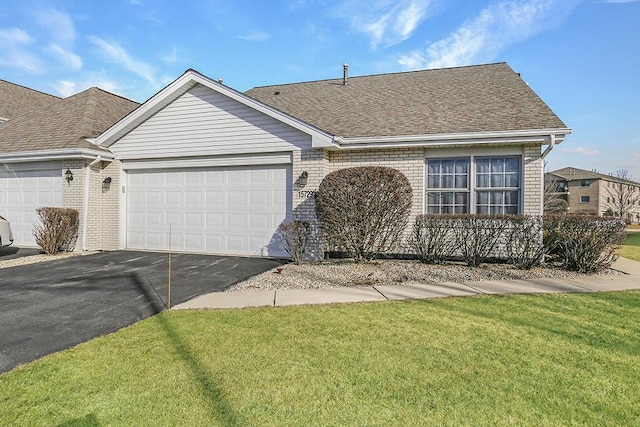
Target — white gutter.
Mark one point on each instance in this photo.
(85, 225)
(442, 140)
(64, 154)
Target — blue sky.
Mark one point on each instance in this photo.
(581, 56)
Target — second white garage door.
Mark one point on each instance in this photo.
(231, 210)
(21, 193)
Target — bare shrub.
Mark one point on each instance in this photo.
(364, 211)
(584, 243)
(476, 236)
(524, 242)
(57, 229)
(431, 239)
(295, 234)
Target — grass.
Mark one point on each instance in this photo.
(566, 359)
(631, 247)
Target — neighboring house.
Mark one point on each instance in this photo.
(44, 137)
(593, 193)
(222, 169)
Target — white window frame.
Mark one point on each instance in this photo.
(472, 179)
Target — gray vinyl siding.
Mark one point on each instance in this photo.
(203, 122)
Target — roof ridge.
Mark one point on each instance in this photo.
(88, 115)
(29, 88)
(384, 74)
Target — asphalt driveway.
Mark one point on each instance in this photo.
(54, 305)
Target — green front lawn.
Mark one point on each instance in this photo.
(631, 247)
(565, 359)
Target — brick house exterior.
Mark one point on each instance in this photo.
(222, 169)
(592, 193)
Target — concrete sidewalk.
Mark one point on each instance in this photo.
(278, 298)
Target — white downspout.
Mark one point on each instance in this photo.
(544, 154)
(85, 225)
(550, 147)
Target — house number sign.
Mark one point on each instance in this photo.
(305, 194)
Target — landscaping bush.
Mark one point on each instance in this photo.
(57, 229)
(476, 236)
(295, 234)
(583, 243)
(364, 211)
(432, 239)
(525, 248)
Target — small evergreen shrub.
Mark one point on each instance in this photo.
(363, 211)
(295, 235)
(57, 229)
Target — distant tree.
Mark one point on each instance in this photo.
(554, 201)
(624, 195)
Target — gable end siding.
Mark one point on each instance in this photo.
(203, 122)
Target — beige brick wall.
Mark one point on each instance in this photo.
(103, 231)
(533, 187)
(318, 164)
(73, 192)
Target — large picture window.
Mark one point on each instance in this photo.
(484, 185)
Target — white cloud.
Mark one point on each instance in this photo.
(117, 54)
(582, 151)
(70, 59)
(15, 36)
(15, 51)
(59, 24)
(255, 36)
(386, 22)
(67, 88)
(481, 39)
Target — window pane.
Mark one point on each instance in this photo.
(483, 165)
(447, 166)
(497, 180)
(497, 197)
(462, 166)
(447, 181)
(484, 210)
(511, 210)
(511, 180)
(461, 199)
(512, 165)
(511, 198)
(483, 180)
(482, 197)
(497, 165)
(433, 167)
(433, 181)
(461, 181)
(433, 198)
(495, 210)
(447, 198)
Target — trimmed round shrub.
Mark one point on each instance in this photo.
(364, 211)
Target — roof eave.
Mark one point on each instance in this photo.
(535, 136)
(62, 154)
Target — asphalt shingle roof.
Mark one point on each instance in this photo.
(16, 100)
(572, 174)
(481, 98)
(65, 123)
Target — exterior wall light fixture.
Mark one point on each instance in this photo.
(68, 175)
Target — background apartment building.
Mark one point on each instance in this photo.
(579, 191)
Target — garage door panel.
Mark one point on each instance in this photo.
(234, 210)
(174, 198)
(21, 193)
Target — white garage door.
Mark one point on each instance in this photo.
(21, 192)
(231, 210)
